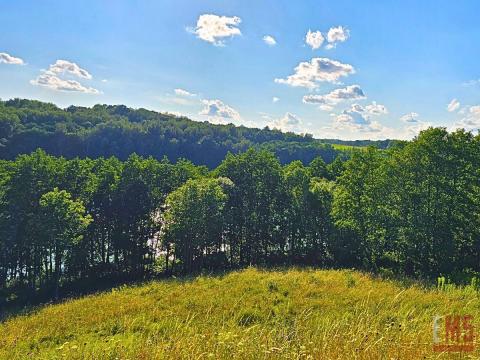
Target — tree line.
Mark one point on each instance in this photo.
(412, 209)
(116, 130)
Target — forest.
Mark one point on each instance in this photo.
(411, 209)
(116, 130)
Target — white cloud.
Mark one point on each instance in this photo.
(415, 128)
(51, 79)
(471, 119)
(376, 109)
(289, 122)
(218, 112)
(352, 92)
(55, 83)
(358, 119)
(309, 74)
(9, 59)
(475, 110)
(314, 39)
(335, 35)
(326, 107)
(410, 117)
(275, 99)
(182, 92)
(214, 29)
(453, 105)
(269, 40)
(176, 113)
(64, 66)
(413, 124)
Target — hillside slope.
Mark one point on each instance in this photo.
(116, 130)
(250, 314)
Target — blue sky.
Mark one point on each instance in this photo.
(385, 69)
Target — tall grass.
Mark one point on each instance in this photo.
(250, 314)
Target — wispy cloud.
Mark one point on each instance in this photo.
(11, 60)
(453, 105)
(471, 82)
(269, 40)
(182, 92)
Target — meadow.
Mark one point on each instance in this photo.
(248, 314)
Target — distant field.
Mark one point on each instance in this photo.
(342, 147)
(251, 314)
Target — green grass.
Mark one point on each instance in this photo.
(250, 314)
(348, 147)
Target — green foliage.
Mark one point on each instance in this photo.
(193, 222)
(116, 130)
(62, 222)
(412, 210)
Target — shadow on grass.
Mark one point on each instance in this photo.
(29, 302)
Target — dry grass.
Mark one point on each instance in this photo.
(250, 314)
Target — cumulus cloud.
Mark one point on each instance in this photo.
(214, 29)
(471, 119)
(358, 118)
(352, 92)
(55, 83)
(182, 92)
(51, 79)
(413, 124)
(218, 112)
(309, 74)
(314, 39)
(376, 109)
(410, 117)
(413, 129)
(289, 122)
(335, 35)
(453, 105)
(11, 60)
(275, 99)
(64, 66)
(269, 40)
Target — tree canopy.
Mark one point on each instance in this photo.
(116, 130)
(412, 209)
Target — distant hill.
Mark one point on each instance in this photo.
(116, 130)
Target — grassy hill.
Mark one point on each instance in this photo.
(250, 314)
